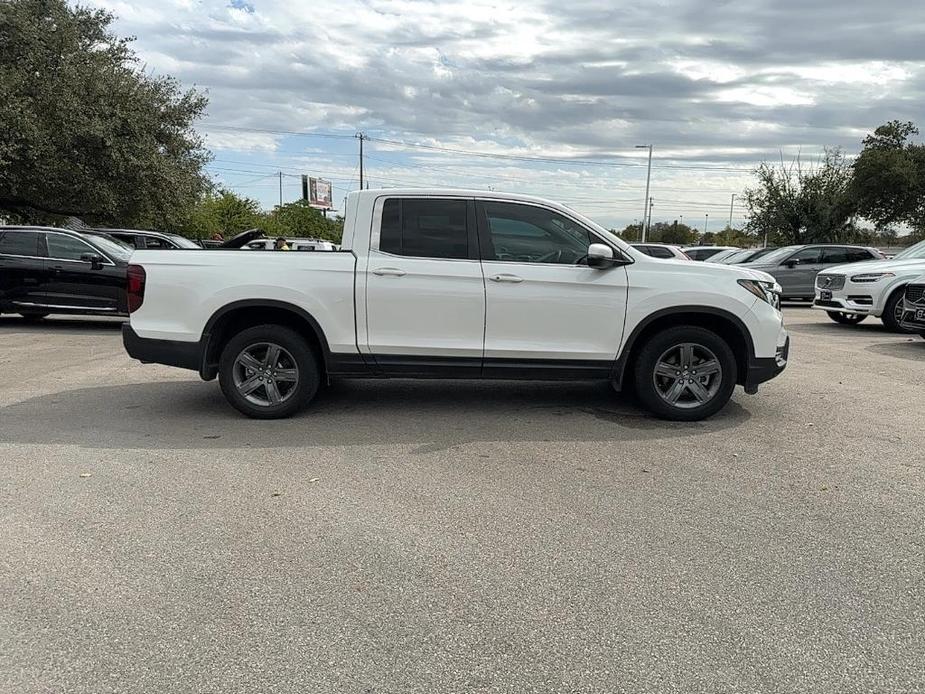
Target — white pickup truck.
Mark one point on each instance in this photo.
(457, 284)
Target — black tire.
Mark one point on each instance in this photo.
(651, 387)
(33, 316)
(294, 358)
(893, 307)
(846, 318)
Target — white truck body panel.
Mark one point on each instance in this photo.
(186, 288)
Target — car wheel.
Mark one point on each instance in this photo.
(685, 373)
(893, 312)
(268, 372)
(846, 318)
(33, 316)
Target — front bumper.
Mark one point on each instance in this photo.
(764, 369)
(909, 321)
(860, 304)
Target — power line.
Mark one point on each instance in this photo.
(476, 153)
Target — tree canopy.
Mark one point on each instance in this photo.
(889, 177)
(225, 213)
(84, 130)
(795, 203)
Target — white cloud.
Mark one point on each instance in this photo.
(710, 84)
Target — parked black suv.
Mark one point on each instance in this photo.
(47, 270)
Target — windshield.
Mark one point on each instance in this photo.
(912, 253)
(734, 257)
(113, 248)
(778, 255)
(740, 257)
(182, 241)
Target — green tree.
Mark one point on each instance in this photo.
(223, 213)
(631, 233)
(793, 204)
(84, 130)
(889, 177)
(671, 232)
(299, 219)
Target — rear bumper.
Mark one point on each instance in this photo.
(764, 369)
(185, 355)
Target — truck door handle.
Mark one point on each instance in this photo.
(389, 272)
(506, 278)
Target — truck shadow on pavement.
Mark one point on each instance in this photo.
(430, 415)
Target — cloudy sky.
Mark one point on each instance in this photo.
(557, 93)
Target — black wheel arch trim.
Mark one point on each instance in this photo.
(622, 361)
(207, 370)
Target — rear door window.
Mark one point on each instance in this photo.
(856, 255)
(19, 243)
(154, 243)
(660, 252)
(806, 256)
(836, 255)
(425, 228)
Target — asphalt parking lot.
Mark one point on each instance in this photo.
(460, 537)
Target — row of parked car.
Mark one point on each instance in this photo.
(53, 270)
(849, 283)
(45, 270)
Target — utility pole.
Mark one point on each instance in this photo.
(706, 220)
(648, 227)
(361, 137)
(731, 204)
(647, 198)
(280, 188)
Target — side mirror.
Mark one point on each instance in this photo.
(790, 263)
(599, 255)
(95, 260)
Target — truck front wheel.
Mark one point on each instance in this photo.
(268, 372)
(685, 373)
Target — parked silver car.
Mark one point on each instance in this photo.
(795, 267)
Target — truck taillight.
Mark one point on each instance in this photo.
(136, 287)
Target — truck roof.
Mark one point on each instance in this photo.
(457, 192)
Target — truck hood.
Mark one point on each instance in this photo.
(907, 266)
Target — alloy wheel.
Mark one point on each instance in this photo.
(265, 374)
(687, 375)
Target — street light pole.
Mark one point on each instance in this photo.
(706, 220)
(647, 207)
(731, 204)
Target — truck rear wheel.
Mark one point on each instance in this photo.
(685, 373)
(268, 372)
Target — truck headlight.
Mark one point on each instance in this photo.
(766, 291)
(871, 276)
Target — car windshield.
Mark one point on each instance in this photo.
(734, 257)
(778, 255)
(111, 247)
(912, 253)
(182, 241)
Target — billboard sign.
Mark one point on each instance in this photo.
(320, 193)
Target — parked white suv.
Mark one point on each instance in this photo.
(458, 284)
(850, 293)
